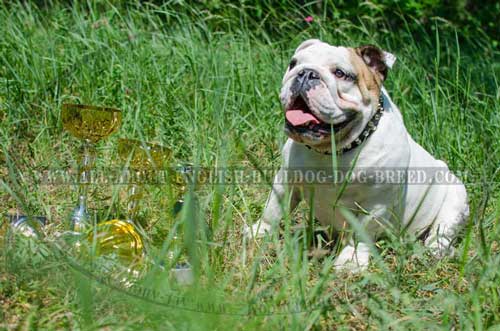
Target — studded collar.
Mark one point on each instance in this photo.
(368, 130)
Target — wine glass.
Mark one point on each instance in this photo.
(89, 124)
(187, 178)
(124, 237)
(141, 158)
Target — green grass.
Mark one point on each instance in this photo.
(211, 95)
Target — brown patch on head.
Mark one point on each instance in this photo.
(369, 82)
(374, 59)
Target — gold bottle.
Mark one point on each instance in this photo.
(119, 238)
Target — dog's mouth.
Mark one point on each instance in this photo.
(299, 118)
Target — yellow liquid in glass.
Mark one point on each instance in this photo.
(90, 122)
(117, 237)
(143, 156)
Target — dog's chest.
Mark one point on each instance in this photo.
(324, 189)
(327, 201)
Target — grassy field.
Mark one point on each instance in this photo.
(211, 95)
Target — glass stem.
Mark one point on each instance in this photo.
(134, 195)
(86, 164)
(82, 200)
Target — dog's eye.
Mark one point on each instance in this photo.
(292, 64)
(339, 73)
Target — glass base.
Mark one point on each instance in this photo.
(183, 274)
(28, 226)
(80, 221)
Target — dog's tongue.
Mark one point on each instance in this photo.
(299, 117)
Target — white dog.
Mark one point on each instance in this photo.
(338, 89)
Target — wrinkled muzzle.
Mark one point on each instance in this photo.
(310, 105)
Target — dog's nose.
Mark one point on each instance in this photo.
(308, 74)
(305, 80)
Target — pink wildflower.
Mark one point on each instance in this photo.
(309, 19)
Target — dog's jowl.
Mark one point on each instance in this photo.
(333, 97)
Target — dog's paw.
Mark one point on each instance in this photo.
(352, 259)
(257, 230)
(441, 248)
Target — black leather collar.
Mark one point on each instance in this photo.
(368, 130)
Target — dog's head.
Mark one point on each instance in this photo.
(327, 86)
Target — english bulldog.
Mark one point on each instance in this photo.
(333, 97)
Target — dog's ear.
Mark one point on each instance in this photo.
(306, 44)
(389, 59)
(376, 59)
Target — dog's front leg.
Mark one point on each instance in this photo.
(354, 258)
(276, 207)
